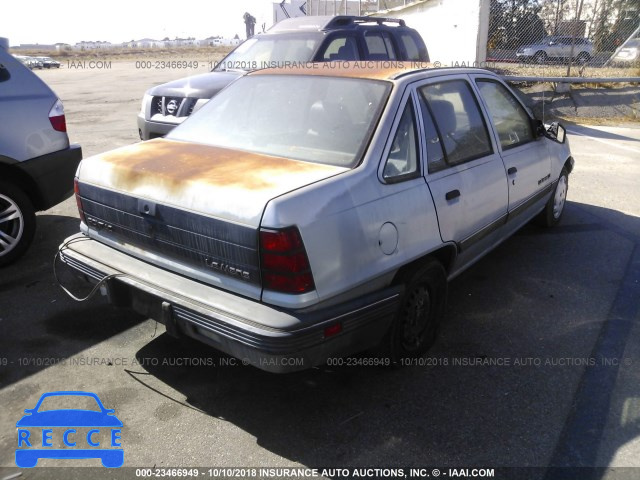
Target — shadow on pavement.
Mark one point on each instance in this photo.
(497, 389)
(40, 325)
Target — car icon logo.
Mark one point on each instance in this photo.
(172, 107)
(69, 433)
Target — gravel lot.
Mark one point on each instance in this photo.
(555, 313)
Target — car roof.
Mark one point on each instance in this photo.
(390, 70)
(325, 23)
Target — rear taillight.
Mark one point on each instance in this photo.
(284, 261)
(56, 117)
(76, 190)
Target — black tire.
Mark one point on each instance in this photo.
(540, 57)
(418, 319)
(583, 58)
(553, 210)
(17, 223)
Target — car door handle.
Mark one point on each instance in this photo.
(452, 194)
(512, 170)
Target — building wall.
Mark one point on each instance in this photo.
(455, 31)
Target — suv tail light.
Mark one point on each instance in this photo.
(56, 117)
(76, 190)
(284, 261)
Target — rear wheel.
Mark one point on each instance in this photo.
(417, 321)
(17, 223)
(554, 208)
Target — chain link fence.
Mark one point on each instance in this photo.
(571, 37)
(595, 38)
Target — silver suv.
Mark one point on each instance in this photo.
(37, 164)
(305, 214)
(296, 40)
(557, 48)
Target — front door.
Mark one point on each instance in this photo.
(466, 175)
(525, 154)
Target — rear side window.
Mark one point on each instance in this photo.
(402, 162)
(4, 73)
(459, 120)
(379, 46)
(435, 155)
(341, 48)
(410, 46)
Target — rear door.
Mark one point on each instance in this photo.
(464, 170)
(525, 154)
(342, 46)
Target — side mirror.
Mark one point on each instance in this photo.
(556, 132)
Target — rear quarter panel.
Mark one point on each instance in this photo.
(25, 102)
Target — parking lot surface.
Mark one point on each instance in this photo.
(536, 364)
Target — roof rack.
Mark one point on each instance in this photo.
(344, 20)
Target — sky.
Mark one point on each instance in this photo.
(71, 21)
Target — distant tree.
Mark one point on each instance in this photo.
(514, 23)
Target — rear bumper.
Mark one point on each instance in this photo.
(53, 175)
(271, 339)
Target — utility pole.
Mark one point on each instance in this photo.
(573, 34)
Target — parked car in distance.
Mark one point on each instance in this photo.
(37, 164)
(48, 62)
(301, 40)
(557, 48)
(30, 62)
(629, 53)
(305, 214)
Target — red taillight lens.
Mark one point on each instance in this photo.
(57, 118)
(285, 265)
(280, 241)
(294, 263)
(76, 190)
(282, 283)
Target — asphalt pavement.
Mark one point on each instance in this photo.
(536, 365)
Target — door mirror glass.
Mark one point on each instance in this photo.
(556, 132)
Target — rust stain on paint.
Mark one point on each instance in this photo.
(173, 165)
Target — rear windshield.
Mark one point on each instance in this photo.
(317, 119)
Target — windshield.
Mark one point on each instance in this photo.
(312, 118)
(69, 402)
(264, 51)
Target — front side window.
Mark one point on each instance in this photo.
(402, 161)
(458, 119)
(509, 117)
(305, 117)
